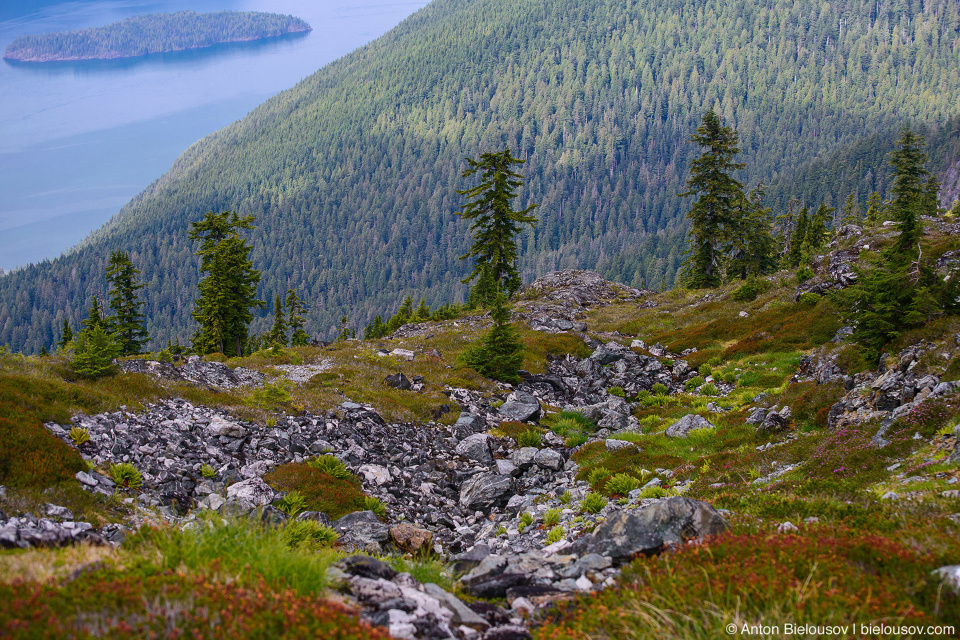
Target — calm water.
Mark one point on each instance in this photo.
(78, 140)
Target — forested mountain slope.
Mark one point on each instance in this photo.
(352, 173)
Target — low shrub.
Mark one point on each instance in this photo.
(526, 519)
(555, 535)
(207, 471)
(693, 383)
(323, 492)
(709, 389)
(804, 273)
(529, 438)
(808, 299)
(653, 492)
(616, 391)
(79, 435)
(575, 440)
(292, 503)
(750, 289)
(598, 476)
(331, 465)
(374, 504)
(308, 535)
(593, 503)
(551, 517)
(126, 475)
(621, 484)
(659, 389)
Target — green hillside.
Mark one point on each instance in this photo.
(352, 173)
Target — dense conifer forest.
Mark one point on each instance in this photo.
(352, 174)
(155, 33)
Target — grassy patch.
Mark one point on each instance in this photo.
(820, 576)
(321, 491)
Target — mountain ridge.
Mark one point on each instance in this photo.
(352, 174)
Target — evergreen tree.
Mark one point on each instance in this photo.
(43, 351)
(931, 198)
(500, 353)
(346, 332)
(401, 317)
(94, 316)
(875, 208)
(422, 312)
(908, 183)
(713, 216)
(127, 322)
(66, 334)
(93, 352)
(896, 289)
(752, 249)
(817, 232)
(376, 329)
(228, 293)
(799, 236)
(495, 223)
(299, 338)
(851, 211)
(278, 333)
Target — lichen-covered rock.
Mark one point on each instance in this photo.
(690, 422)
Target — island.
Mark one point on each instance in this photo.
(154, 33)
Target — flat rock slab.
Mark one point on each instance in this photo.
(690, 422)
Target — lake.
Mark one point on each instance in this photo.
(79, 139)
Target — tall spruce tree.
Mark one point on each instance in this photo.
(799, 235)
(908, 190)
(127, 322)
(278, 333)
(495, 224)
(295, 308)
(94, 316)
(719, 197)
(752, 250)
(896, 289)
(66, 334)
(228, 292)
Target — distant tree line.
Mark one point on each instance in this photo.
(154, 33)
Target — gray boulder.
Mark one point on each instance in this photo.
(672, 521)
(549, 459)
(757, 416)
(525, 457)
(397, 381)
(361, 531)
(690, 422)
(254, 491)
(468, 424)
(485, 492)
(520, 406)
(476, 447)
(773, 423)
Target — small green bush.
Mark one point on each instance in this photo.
(654, 492)
(93, 353)
(293, 503)
(621, 484)
(126, 475)
(566, 498)
(79, 435)
(331, 465)
(270, 396)
(750, 289)
(593, 503)
(660, 389)
(693, 383)
(803, 274)
(551, 517)
(308, 535)
(808, 299)
(374, 504)
(575, 440)
(597, 476)
(207, 471)
(705, 370)
(529, 438)
(526, 519)
(709, 389)
(616, 391)
(555, 535)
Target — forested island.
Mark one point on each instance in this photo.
(154, 33)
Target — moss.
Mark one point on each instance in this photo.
(321, 491)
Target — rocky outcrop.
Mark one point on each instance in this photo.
(690, 422)
(197, 371)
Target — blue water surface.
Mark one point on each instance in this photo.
(79, 139)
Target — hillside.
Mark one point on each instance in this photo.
(154, 33)
(352, 173)
(670, 465)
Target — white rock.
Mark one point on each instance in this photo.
(254, 490)
(406, 354)
(787, 527)
(220, 426)
(950, 575)
(583, 583)
(522, 605)
(256, 469)
(375, 474)
(212, 501)
(616, 445)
